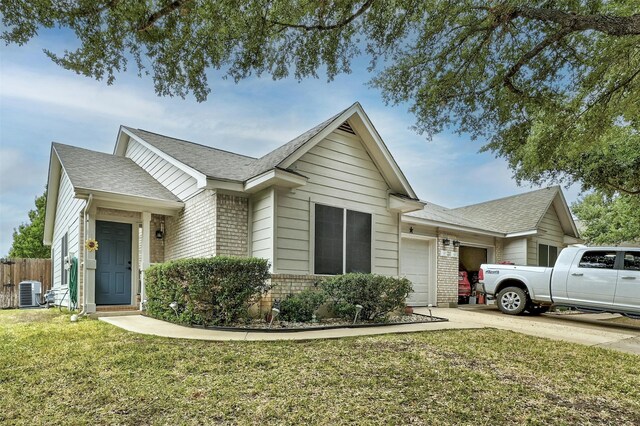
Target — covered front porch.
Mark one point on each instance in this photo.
(130, 234)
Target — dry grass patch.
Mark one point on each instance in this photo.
(53, 371)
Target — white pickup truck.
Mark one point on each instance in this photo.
(599, 279)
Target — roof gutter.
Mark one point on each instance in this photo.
(522, 233)
(421, 221)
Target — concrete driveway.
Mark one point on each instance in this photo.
(586, 329)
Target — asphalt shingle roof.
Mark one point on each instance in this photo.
(225, 165)
(212, 162)
(277, 156)
(442, 214)
(516, 213)
(100, 171)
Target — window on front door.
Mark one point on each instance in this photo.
(342, 241)
(547, 255)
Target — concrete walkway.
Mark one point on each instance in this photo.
(585, 329)
(146, 325)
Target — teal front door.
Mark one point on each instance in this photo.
(113, 258)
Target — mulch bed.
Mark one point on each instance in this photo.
(324, 324)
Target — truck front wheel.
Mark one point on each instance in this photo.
(512, 300)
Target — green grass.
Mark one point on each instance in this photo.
(56, 372)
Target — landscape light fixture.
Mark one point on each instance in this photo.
(358, 309)
(174, 306)
(274, 313)
(430, 316)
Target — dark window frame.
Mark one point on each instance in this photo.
(550, 260)
(349, 241)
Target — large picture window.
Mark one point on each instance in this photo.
(342, 241)
(547, 255)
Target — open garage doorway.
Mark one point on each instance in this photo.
(470, 258)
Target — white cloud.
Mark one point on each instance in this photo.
(17, 172)
(82, 96)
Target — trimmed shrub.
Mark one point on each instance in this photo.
(212, 291)
(377, 294)
(301, 306)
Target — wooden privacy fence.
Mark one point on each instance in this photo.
(13, 271)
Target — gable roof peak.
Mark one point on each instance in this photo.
(228, 166)
(549, 190)
(512, 214)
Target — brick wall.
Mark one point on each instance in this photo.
(499, 250)
(284, 284)
(119, 213)
(232, 225)
(157, 245)
(447, 276)
(192, 232)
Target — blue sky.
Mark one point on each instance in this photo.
(41, 103)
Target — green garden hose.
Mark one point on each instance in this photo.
(73, 283)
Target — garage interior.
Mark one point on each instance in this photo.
(470, 259)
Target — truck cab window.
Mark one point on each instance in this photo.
(598, 259)
(632, 261)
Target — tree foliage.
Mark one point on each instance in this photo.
(609, 220)
(553, 86)
(27, 238)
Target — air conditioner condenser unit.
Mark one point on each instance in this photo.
(30, 292)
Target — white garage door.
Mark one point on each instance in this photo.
(417, 266)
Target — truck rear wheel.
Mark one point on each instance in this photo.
(512, 300)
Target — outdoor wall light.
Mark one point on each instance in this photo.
(456, 243)
(358, 309)
(446, 241)
(160, 232)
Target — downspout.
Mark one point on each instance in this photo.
(85, 213)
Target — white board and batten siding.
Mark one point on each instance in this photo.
(262, 216)
(67, 222)
(180, 183)
(549, 232)
(341, 174)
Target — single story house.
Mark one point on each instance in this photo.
(330, 201)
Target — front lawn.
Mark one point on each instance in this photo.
(56, 372)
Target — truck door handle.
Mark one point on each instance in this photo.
(577, 274)
(628, 278)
